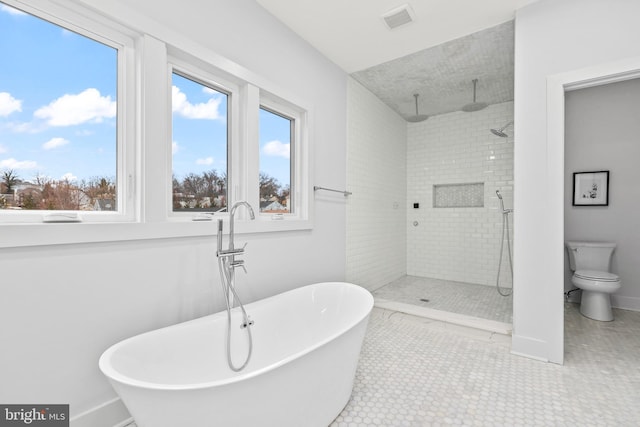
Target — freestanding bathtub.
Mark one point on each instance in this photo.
(306, 344)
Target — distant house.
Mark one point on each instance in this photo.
(104, 205)
(272, 206)
(25, 191)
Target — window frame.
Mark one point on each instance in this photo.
(205, 77)
(301, 194)
(272, 106)
(245, 100)
(100, 30)
(145, 179)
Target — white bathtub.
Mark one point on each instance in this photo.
(306, 344)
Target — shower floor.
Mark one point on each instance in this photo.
(467, 304)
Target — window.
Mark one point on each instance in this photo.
(103, 123)
(276, 137)
(199, 145)
(60, 123)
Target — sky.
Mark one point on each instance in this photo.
(58, 109)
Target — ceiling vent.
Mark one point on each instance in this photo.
(399, 16)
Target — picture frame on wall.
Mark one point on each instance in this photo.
(591, 188)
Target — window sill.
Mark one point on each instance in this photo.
(30, 235)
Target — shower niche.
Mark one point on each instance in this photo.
(468, 195)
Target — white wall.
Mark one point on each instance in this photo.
(602, 126)
(376, 174)
(62, 306)
(552, 37)
(459, 244)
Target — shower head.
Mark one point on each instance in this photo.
(500, 132)
(498, 193)
(474, 106)
(418, 117)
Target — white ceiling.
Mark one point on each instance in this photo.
(352, 33)
(450, 43)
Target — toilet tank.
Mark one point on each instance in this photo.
(590, 255)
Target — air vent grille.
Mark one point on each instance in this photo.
(399, 16)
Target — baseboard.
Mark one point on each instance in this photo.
(529, 347)
(110, 414)
(625, 303)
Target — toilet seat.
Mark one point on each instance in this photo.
(600, 276)
(596, 281)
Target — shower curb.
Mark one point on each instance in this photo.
(446, 316)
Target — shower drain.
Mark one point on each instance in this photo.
(424, 300)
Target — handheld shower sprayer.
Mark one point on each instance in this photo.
(505, 231)
(502, 203)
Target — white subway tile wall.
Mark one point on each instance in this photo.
(459, 244)
(391, 165)
(376, 174)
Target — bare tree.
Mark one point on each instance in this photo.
(9, 179)
(269, 186)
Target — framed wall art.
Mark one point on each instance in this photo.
(591, 188)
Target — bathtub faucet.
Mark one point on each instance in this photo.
(231, 221)
(227, 264)
(232, 251)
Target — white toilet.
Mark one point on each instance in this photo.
(590, 262)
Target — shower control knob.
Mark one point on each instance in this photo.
(416, 223)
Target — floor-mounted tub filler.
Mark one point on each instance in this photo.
(306, 344)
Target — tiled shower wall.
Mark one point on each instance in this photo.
(459, 243)
(376, 174)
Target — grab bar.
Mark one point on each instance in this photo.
(345, 193)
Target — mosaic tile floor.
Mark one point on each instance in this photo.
(415, 372)
(418, 372)
(464, 298)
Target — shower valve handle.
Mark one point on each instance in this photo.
(239, 263)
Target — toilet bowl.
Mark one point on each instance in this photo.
(590, 263)
(597, 287)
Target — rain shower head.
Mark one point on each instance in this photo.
(500, 132)
(474, 106)
(418, 117)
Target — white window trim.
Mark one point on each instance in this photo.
(95, 27)
(147, 213)
(299, 142)
(243, 154)
(206, 77)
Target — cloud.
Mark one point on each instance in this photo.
(277, 149)
(206, 161)
(86, 107)
(180, 105)
(175, 147)
(69, 177)
(8, 104)
(17, 164)
(54, 143)
(25, 127)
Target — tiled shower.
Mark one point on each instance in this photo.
(460, 239)
(393, 228)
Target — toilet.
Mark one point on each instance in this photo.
(590, 263)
